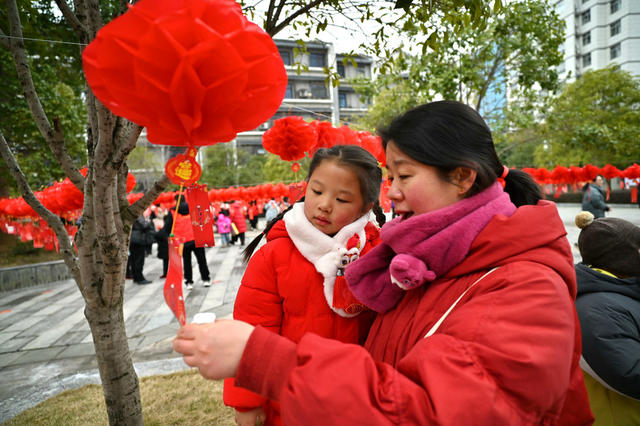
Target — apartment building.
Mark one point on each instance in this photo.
(599, 33)
(307, 94)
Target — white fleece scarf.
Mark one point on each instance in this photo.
(323, 251)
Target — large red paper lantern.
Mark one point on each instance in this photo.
(193, 72)
(289, 138)
(327, 136)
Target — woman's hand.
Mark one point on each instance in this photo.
(215, 349)
(250, 418)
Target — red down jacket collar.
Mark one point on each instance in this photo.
(532, 233)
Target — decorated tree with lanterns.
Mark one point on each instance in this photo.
(194, 73)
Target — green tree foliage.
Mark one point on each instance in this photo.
(594, 120)
(225, 166)
(58, 79)
(517, 52)
(382, 21)
(277, 170)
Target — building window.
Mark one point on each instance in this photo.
(615, 28)
(614, 51)
(341, 69)
(318, 90)
(586, 38)
(289, 93)
(285, 55)
(342, 99)
(614, 6)
(316, 58)
(586, 60)
(561, 68)
(586, 16)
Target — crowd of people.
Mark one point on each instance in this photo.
(156, 225)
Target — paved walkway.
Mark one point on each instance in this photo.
(45, 342)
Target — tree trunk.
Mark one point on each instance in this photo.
(119, 379)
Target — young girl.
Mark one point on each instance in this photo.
(224, 228)
(474, 284)
(294, 283)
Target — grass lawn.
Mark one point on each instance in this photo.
(14, 252)
(182, 398)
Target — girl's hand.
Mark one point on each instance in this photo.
(250, 418)
(215, 348)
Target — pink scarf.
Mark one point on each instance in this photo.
(422, 248)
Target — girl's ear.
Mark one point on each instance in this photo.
(463, 178)
(367, 207)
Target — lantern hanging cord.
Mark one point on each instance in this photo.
(44, 40)
(175, 215)
(318, 114)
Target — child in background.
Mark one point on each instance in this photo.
(224, 228)
(294, 283)
(608, 305)
(238, 216)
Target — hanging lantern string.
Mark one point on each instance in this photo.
(175, 215)
(43, 40)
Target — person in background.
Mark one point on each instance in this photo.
(294, 283)
(183, 231)
(238, 216)
(593, 199)
(474, 285)
(252, 213)
(271, 210)
(142, 235)
(162, 238)
(608, 305)
(224, 228)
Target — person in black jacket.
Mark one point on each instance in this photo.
(608, 305)
(142, 235)
(162, 238)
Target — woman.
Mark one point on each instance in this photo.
(474, 285)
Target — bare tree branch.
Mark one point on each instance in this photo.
(53, 136)
(127, 138)
(67, 250)
(136, 209)
(279, 27)
(71, 18)
(488, 80)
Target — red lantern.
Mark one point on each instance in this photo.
(193, 72)
(289, 138)
(560, 174)
(373, 144)
(610, 172)
(590, 172)
(327, 136)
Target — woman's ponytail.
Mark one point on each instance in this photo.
(522, 189)
(248, 251)
(380, 217)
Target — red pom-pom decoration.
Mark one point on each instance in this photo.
(193, 72)
(289, 138)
